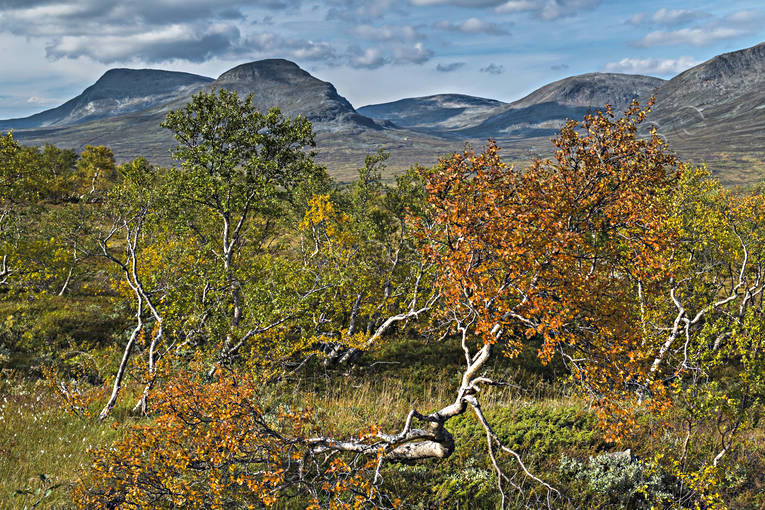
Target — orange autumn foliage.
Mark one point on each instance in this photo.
(558, 251)
(215, 445)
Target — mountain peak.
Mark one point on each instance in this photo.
(122, 83)
(274, 69)
(116, 92)
(720, 79)
(282, 83)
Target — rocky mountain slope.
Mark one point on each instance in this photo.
(442, 112)
(343, 135)
(540, 113)
(278, 82)
(725, 94)
(117, 92)
(714, 113)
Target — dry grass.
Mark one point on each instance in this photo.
(42, 447)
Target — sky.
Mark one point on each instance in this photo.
(373, 51)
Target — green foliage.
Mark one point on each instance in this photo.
(469, 486)
(49, 326)
(230, 149)
(537, 429)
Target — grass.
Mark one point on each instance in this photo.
(42, 447)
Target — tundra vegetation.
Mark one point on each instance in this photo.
(242, 331)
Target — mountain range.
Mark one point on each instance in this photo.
(713, 113)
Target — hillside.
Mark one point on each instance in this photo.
(344, 137)
(278, 82)
(715, 113)
(538, 114)
(542, 112)
(436, 113)
(117, 92)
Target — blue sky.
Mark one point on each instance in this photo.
(372, 50)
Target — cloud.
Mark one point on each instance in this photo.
(311, 50)
(92, 17)
(39, 100)
(416, 54)
(161, 44)
(737, 24)
(472, 26)
(667, 17)
(493, 69)
(370, 58)
(666, 66)
(698, 36)
(547, 10)
(559, 67)
(270, 43)
(450, 67)
(151, 31)
(458, 3)
(749, 17)
(386, 33)
(374, 57)
(361, 11)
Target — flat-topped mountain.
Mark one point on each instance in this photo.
(117, 92)
(432, 113)
(278, 82)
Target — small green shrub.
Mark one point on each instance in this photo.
(615, 480)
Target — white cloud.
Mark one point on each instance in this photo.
(666, 66)
(374, 57)
(416, 54)
(459, 3)
(472, 26)
(370, 58)
(41, 100)
(361, 10)
(698, 36)
(547, 10)
(667, 17)
(160, 44)
(386, 33)
(737, 24)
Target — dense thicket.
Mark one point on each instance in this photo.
(215, 291)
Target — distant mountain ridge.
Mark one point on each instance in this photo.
(541, 113)
(117, 92)
(713, 112)
(434, 113)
